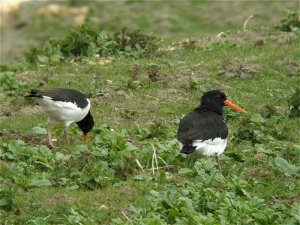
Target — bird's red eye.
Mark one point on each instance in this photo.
(218, 95)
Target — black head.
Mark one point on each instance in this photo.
(213, 101)
(86, 124)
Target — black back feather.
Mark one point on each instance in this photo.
(201, 124)
(62, 94)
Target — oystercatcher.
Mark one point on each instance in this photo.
(65, 106)
(203, 131)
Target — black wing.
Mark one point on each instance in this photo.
(62, 94)
(201, 125)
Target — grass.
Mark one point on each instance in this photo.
(137, 101)
(58, 203)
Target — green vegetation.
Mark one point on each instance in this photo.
(291, 22)
(140, 85)
(87, 41)
(294, 103)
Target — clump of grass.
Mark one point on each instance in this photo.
(9, 85)
(294, 103)
(291, 22)
(6, 199)
(258, 129)
(235, 68)
(157, 129)
(154, 72)
(8, 81)
(90, 41)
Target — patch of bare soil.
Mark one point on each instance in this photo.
(30, 110)
(10, 109)
(292, 67)
(231, 12)
(32, 140)
(12, 45)
(282, 198)
(237, 68)
(58, 199)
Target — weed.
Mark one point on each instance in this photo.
(189, 44)
(291, 22)
(135, 71)
(238, 69)
(294, 104)
(6, 199)
(268, 111)
(4, 68)
(286, 167)
(192, 84)
(156, 129)
(129, 114)
(189, 203)
(89, 41)
(259, 130)
(153, 72)
(9, 84)
(134, 84)
(217, 45)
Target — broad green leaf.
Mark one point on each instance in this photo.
(42, 59)
(61, 157)
(79, 148)
(185, 171)
(74, 187)
(287, 167)
(265, 151)
(40, 183)
(297, 148)
(296, 211)
(257, 118)
(142, 177)
(37, 221)
(4, 202)
(38, 130)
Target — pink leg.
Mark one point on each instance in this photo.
(50, 143)
(218, 162)
(66, 135)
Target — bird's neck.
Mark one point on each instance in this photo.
(86, 122)
(212, 107)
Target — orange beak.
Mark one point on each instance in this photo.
(86, 138)
(230, 104)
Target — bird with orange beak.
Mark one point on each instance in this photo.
(203, 131)
(65, 106)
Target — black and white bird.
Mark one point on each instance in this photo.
(203, 131)
(66, 106)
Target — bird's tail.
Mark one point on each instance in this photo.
(188, 149)
(34, 93)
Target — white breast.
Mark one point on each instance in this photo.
(65, 112)
(210, 147)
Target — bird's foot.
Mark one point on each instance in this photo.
(218, 167)
(51, 145)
